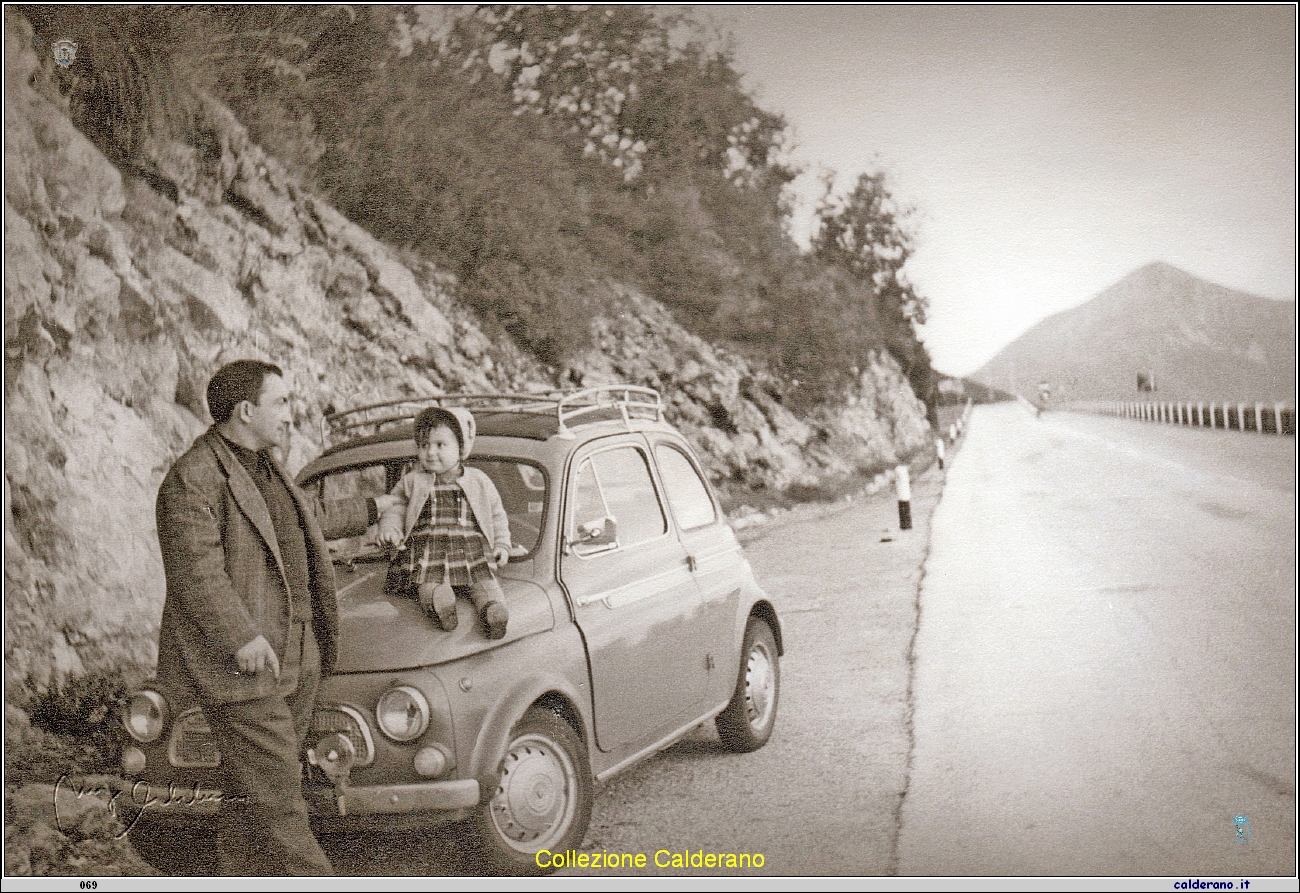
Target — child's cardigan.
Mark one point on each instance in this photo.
(484, 501)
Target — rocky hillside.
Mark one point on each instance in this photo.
(1202, 342)
(124, 290)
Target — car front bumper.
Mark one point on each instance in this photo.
(389, 799)
(173, 802)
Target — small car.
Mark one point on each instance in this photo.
(634, 618)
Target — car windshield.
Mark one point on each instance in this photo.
(522, 486)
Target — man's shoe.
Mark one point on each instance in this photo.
(439, 600)
(495, 617)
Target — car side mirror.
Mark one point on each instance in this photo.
(603, 532)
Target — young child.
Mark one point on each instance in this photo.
(452, 521)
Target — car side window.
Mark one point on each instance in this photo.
(615, 485)
(687, 494)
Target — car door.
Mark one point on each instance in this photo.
(634, 596)
(712, 552)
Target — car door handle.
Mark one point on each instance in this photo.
(691, 563)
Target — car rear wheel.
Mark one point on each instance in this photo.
(747, 722)
(543, 796)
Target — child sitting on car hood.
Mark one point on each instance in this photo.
(453, 523)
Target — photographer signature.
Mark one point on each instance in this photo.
(142, 797)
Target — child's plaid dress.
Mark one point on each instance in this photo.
(446, 538)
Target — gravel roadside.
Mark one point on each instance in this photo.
(824, 796)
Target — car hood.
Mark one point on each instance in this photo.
(384, 631)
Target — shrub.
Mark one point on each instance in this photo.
(74, 728)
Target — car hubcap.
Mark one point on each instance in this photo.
(533, 804)
(759, 686)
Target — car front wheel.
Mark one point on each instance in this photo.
(543, 796)
(747, 722)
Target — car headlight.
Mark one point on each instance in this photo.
(145, 716)
(402, 713)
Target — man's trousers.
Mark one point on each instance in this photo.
(263, 827)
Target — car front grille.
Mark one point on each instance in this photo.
(192, 745)
(330, 719)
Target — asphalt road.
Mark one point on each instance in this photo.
(1106, 655)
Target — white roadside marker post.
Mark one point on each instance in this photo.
(1259, 418)
(938, 448)
(903, 485)
(1277, 418)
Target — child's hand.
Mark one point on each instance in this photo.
(388, 539)
(501, 555)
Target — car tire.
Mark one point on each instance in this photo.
(543, 796)
(747, 722)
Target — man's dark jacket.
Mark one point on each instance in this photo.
(214, 530)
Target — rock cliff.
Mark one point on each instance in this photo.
(126, 289)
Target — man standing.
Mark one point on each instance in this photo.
(250, 625)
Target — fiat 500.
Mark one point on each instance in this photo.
(634, 618)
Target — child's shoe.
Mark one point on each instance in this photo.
(495, 617)
(439, 600)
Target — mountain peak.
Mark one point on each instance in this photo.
(1202, 341)
(1164, 277)
(1158, 267)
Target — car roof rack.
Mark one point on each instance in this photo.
(585, 405)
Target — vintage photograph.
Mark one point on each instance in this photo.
(651, 442)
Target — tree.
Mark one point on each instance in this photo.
(867, 235)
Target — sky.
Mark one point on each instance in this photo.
(1047, 151)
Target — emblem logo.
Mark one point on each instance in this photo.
(65, 53)
(1242, 824)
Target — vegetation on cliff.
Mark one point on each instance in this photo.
(537, 153)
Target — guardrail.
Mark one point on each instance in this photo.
(1263, 418)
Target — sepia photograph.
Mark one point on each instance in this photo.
(651, 442)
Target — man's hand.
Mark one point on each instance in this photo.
(501, 555)
(256, 656)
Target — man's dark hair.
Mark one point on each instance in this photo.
(437, 417)
(235, 382)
